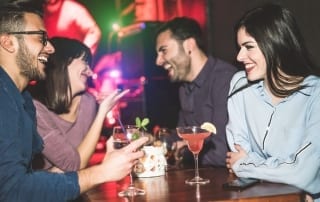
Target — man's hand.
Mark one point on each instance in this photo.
(118, 163)
(115, 165)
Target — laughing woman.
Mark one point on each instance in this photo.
(67, 116)
(274, 105)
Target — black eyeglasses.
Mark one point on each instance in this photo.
(44, 39)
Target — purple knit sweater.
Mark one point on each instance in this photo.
(61, 138)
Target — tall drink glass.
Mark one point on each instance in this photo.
(194, 135)
(121, 139)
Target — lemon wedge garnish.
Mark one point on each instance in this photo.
(209, 127)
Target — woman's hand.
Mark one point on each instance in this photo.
(233, 157)
(108, 101)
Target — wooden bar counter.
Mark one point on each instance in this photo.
(171, 187)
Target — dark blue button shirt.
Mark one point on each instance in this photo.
(19, 141)
(205, 100)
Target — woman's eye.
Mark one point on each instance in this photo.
(249, 47)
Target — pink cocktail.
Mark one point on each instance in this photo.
(195, 142)
(194, 136)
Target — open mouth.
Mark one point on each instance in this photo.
(169, 68)
(43, 59)
(249, 67)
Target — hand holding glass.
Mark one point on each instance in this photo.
(194, 136)
(121, 139)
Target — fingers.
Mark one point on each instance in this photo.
(120, 95)
(116, 94)
(229, 154)
(113, 96)
(238, 147)
(228, 161)
(109, 144)
(133, 146)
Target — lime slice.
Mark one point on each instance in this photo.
(209, 127)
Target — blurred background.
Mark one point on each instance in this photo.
(125, 55)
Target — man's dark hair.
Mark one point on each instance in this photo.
(183, 28)
(12, 14)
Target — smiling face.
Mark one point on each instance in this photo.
(171, 55)
(251, 56)
(32, 54)
(79, 71)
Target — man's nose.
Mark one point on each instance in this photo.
(159, 60)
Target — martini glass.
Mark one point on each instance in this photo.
(194, 136)
(123, 136)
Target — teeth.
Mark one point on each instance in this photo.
(249, 65)
(167, 66)
(43, 59)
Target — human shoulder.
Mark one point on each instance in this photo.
(219, 70)
(41, 108)
(38, 104)
(222, 65)
(88, 102)
(312, 84)
(238, 81)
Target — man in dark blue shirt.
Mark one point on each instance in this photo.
(24, 50)
(205, 84)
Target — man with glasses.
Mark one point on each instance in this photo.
(24, 50)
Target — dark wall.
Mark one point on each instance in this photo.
(222, 16)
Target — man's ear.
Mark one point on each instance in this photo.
(189, 45)
(7, 43)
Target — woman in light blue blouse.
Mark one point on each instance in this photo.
(274, 105)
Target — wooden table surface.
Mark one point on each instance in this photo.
(171, 187)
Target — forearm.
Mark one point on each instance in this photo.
(301, 169)
(88, 144)
(88, 178)
(40, 186)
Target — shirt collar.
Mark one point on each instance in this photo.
(308, 82)
(202, 76)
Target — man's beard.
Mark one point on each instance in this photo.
(182, 69)
(24, 61)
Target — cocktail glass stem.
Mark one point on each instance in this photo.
(197, 179)
(197, 166)
(131, 190)
(131, 181)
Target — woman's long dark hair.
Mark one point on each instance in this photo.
(55, 91)
(277, 35)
